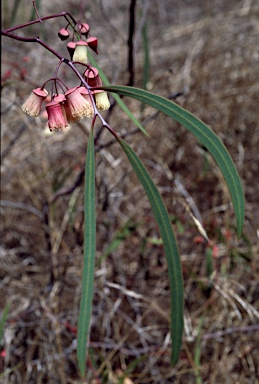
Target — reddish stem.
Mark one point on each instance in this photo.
(62, 14)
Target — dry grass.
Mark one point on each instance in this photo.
(211, 50)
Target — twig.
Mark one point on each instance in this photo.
(131, 42)
(14, 140)
(36, 11)
(229, 331)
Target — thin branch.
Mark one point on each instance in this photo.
(14, 140)
(131, 42)
(62, 14)
(230, 331)
(36, 11)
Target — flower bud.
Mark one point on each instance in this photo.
(101, 100)
(71, 46)
(80, 53)
(84, 29)
(93, 42)
(63, 34)
(92, 77)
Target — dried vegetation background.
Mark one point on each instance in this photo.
(209, 52)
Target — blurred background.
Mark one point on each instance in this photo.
(204, 55)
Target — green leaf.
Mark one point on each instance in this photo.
(146, 63)
(170, 246)
(208, 138)
(116, 97)
(3, 320)
(89, 256)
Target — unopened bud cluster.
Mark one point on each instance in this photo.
(78, 50)
(78, 102)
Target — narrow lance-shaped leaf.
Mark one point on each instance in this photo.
(89, 256)
(207, 137)
(116, 97)
(3, 320)
(170, 246)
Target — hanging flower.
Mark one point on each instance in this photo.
(56, 117)
(85, 93)
(60, 98)
(92, 77)
(79, 107)
(33, 104)
(101, 100)
(80, 53)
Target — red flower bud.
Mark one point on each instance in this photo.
(93, 42)
(63, 34)
(71, 46)
(92, 77)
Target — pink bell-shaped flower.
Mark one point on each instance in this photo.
(79, 107)
(33, 104)
(56, 117)
(85, 93)
(60, 98)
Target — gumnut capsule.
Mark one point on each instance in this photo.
(93, 42)
(80, 53)
(34, 102)
(63, 34)
(71, 46)
(92, 77)
(84, 29)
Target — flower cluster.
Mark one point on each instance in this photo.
(75, 103)
(78, 50)
(66, 108)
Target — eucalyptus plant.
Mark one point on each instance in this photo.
(86, 99)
